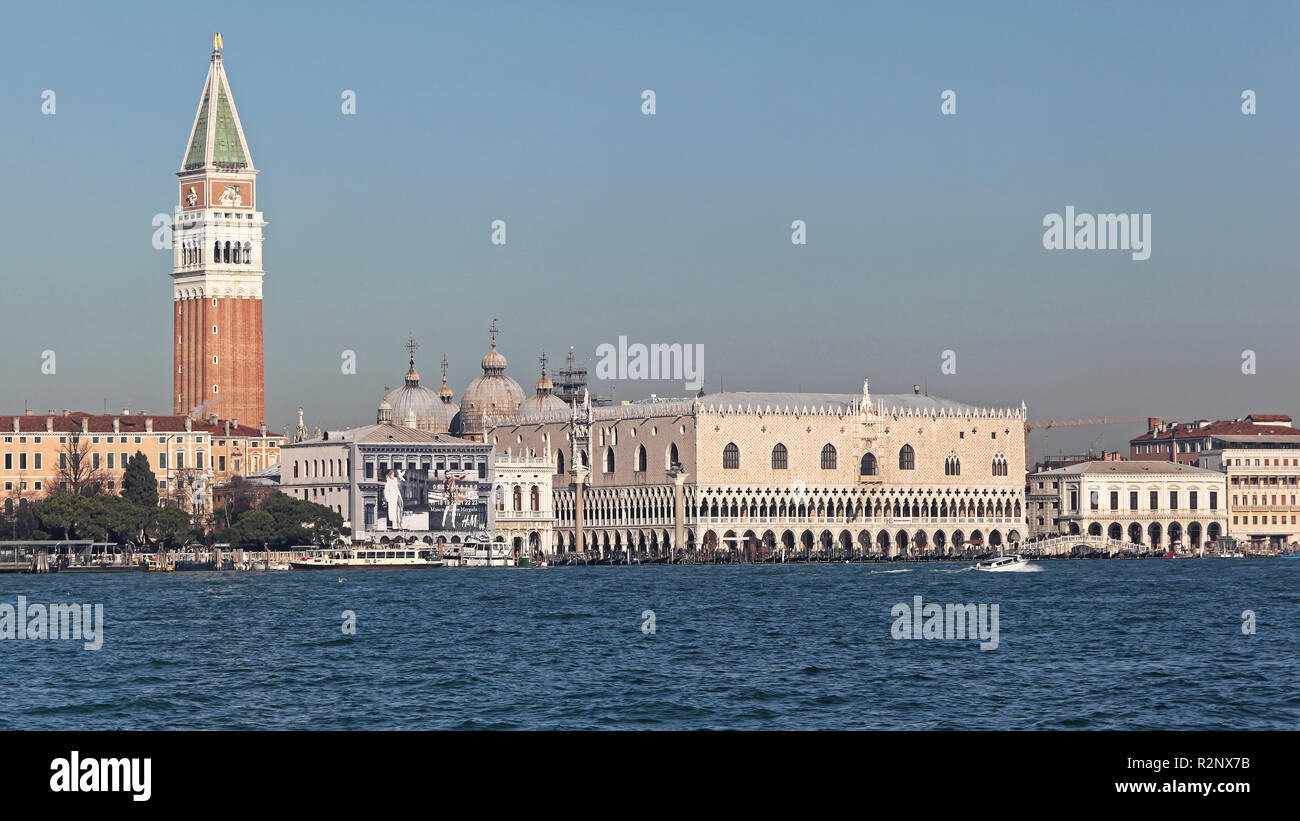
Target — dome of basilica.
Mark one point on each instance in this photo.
(545, 398)
(430, 411)
(489, 398)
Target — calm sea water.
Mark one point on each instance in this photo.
(1082, 644)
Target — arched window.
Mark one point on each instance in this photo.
(609, 460)
(234, 257)
(730, 457)
(672, 455)
(559, 461)
(216, 252)
(534, 499)
(519, 498)
(501, 498)
(248, 253)
(640, 459)
(780, 458)
(828, 457)
(868, 467)
(952, 466)
(907, 458)
(227, 254)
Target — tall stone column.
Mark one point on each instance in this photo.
(581, 444)
(579, 500)
(679, 507)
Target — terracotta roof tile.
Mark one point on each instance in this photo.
(133, 424)
(1236, 427)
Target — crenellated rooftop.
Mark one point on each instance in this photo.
(781, 404)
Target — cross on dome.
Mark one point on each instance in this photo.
(412, 376)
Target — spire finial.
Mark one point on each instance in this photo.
(444, 369)
(494, 331)
(542, 359)
(216, 41)
(412, 376)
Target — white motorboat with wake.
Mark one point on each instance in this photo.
(1005, 564)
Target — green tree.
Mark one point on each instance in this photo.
(121, 519)
(299, 521)
(61, 513)
(238, 498)
(257, 527)
(229, 535)
(139, 484)
(168, 524)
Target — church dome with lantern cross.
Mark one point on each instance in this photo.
(412, 400)
(490, 398)
(544, 399)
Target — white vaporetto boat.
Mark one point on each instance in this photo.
(380, 557)
(1004, 564)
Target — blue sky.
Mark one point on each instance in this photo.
(924, 230)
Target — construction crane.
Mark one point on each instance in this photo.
(1077, 423)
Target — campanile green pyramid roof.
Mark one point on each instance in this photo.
(217, 139)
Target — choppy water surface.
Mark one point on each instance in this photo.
(1083, 644)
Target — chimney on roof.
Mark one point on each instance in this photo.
(189, 424)
(67, 412)
(1153, 423)
(227, 427)
(49, 423)
(29, 412)
(261, 429)
(117, 424)
(15, 424)
(212, 420)
(126, 411)
(148, 426)
(234, 421)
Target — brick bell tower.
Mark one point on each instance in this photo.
(217, 265)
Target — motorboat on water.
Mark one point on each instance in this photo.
(494, 554)
(265, 564)
(1004, 564)
(378, 557)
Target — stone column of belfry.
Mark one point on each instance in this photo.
(217, 264)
